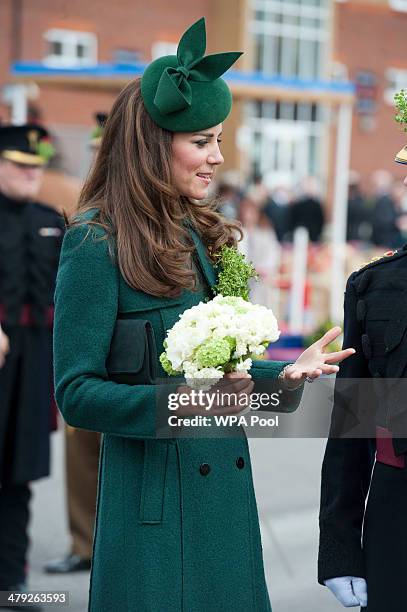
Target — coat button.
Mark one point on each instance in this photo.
(240, 463)
(205, 468)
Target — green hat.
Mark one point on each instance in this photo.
(183, 92)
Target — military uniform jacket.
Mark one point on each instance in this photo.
(177, 526)
(376, 326)
(30, 240)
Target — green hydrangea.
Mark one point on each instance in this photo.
(167, 365)
(236, 303)
(231, 341)
(234, 273)
(213, 352)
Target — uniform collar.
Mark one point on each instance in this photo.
(15, 206)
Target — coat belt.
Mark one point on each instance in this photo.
(153, 484)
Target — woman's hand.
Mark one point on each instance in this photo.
(4, 347)
(235, 387)
(314, 361)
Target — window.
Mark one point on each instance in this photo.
(398, 5)
(69, 48)
(291, 40)
(287, 140)
(291, 37)
(126, 56)
(396, 80)
(161, 48)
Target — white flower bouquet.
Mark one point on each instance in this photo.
(217, 337)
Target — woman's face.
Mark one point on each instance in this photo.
(195, 157)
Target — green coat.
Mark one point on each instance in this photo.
(167, 537)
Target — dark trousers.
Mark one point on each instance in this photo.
(14, 502)
(385, 540)
(14, 517)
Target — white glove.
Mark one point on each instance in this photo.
(349, 590)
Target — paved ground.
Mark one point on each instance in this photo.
(286, 476)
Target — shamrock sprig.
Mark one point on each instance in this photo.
(97, 132)
(234, 273)
(400, 100)
(45, 149)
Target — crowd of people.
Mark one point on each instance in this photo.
(377, 209)
(281, 210)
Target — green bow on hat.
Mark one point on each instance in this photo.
(184, 92)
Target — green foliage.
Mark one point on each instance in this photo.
(97, 132)
(318, 333)
(400, 100)
(45, 150)
(234, 273)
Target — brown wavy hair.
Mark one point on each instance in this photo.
(130, 186)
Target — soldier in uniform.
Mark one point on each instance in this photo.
(82, 449)
(30, 240)
(367, 567)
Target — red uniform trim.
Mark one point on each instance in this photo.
(385, 449)
(26, 317)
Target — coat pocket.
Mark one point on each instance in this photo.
(153, 483)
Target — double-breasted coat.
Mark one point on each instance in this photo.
(30, 240)
(177, 526)
(376, 326)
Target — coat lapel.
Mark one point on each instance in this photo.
(203, 259)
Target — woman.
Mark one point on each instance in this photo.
(260, 246)
(177, 526)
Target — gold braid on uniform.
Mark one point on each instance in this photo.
(377, 258)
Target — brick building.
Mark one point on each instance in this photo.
(370, 48)
(301, 40)
(61, 33)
